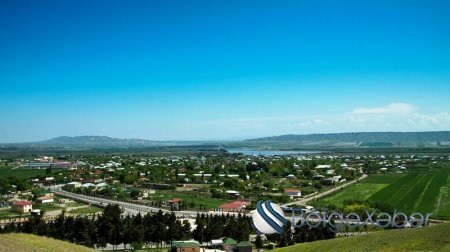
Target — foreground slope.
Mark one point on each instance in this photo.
(29, 242)
(432, 238)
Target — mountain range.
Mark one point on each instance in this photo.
(356, 139)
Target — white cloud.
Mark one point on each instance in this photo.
(393, 108)
(395, 116)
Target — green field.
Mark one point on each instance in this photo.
(416, 192)
(8, 214)
(361, 190)
(20, 172)
(29, 242)
(443, 202)
(431, 238)
(207, 202)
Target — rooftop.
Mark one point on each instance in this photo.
(22, 203)
(229, 241)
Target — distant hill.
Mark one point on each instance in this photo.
(101, 142)
(431, 136)
(431, 238)
(97, 140)
(28, 242)
(357, 139)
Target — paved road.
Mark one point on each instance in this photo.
(133, 209)
(303, 201)
(129, 208)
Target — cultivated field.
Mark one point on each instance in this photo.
(415, 192)
(20, 172)
(361, 190)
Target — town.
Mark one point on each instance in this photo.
(194, 187)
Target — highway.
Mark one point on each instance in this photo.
(129, 208)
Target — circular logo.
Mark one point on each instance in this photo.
(268, 218)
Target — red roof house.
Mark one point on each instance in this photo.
(22, 206)
(235, 206)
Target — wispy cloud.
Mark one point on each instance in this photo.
(393, 108)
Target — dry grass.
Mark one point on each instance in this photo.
(28, 242)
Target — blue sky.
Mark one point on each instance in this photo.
(196, 70)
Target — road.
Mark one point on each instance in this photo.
(303, 201)
(129, 208)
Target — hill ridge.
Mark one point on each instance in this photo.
(386, 136)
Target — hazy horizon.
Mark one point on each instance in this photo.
(220, 70)
(230, 139)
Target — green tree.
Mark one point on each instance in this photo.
(258, 242)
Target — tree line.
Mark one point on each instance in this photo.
(155, 229)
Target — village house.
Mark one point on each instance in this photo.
(244, 246)
(232, 194)
(235, 206)
(229, 245)
(45, 199)
(185, 246)
(73, 184)
(175, 204)
(323, 167)
(292, 193)
(22, 206)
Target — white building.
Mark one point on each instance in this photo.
(292, 193)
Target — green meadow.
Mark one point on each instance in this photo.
(20, 172)
(415, 192)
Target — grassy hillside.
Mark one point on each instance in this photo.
(432, 238)
(28, 242)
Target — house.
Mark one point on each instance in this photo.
(216, 244)
(92, 180)
(292, 193)
(318, 177)
(35, 212)
(332, 180)
(45, 199)
(101, 185)
(87, 185)
(73, 184)
(323, 167)
(235, 206)
(229, 244)
(244, 246)
(22, 206)
(291, 176)
(232, 193)
(175, 204)
(330, 172)
(185, 246)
